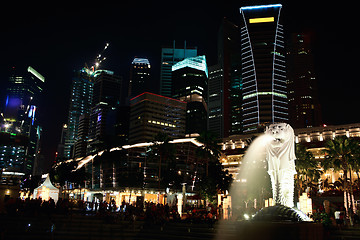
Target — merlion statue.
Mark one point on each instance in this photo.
(280, 155)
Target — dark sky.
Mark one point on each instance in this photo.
(56, 38)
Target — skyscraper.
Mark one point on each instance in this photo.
(189, 84)
(80, 149)
(170, 56)
(139, 76)
(224, 88)
(19, 119)
(104, 108)
(264, 90)
(304, 106)
(80, 103)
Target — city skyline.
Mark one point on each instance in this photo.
(57, 58)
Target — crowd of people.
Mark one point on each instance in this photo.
(35, 207)
(147, 211)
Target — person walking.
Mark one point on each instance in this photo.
(338, 219)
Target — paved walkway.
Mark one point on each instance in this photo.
(89, 227)
(350, 233)
(81, 227)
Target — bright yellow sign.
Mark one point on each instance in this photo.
(261, 20)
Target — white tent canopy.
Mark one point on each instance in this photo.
(46, 191)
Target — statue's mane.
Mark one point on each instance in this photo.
(287, 147)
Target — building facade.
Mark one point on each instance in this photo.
(304, 106)
(314, 139)
(139, 76)
(189, 84)
(80, 103)
(19, 121)
(264, 90)
(130, 173)
(170, 56)
(80, 149)
(216, 104)
(224, 85)
(151, 113)
(104, 108)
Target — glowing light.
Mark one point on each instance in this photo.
(141, 61)
(305, 204)
(14, 173)
(36, 74)
(265, 93)
(198, 63)
(155, 95)
(162, 123)
(261, 20)
(32, 113)
(260, 6)
(83, 161)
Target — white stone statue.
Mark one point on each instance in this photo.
(280, 155)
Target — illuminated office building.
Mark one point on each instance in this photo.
(80, 103)
(170, 56)
(139, 76)
(224, 84)
(151, 113)
(104, 108)
(264, 90)
(304, 106)
(189, 84)
(19, 120)
(80, 149)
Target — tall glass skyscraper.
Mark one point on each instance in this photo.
(304, 105)
(170, 56)
(264, 90)
(80, 103)
(104, 108)
(139, 76)
(224, 84)
(190, 77)
(19, 121)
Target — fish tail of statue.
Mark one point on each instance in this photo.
(274, 186)
(286, 188)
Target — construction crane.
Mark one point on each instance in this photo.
(98, 60)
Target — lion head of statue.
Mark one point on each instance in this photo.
(281, 132)
(283, 143)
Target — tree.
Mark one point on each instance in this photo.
(307, 169)
(210, 151)
(164, 152)
(340, 154)
(217, 181)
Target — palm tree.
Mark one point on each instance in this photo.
(307, 168)
(340, 154)
(210, 151)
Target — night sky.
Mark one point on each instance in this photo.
(59, 37)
